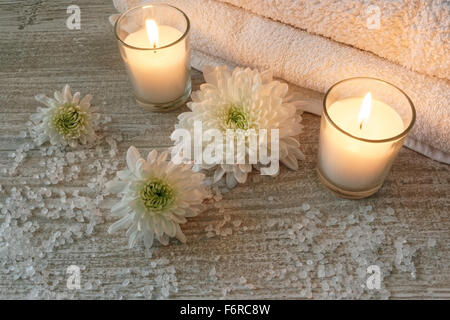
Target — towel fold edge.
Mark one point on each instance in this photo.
(200, 59)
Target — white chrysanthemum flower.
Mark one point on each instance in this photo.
(243, 100)
(157, 196)
(67, 120)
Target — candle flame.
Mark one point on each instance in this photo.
(152, 32)
(366, 107)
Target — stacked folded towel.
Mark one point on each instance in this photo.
(412, 33)
(308, 43)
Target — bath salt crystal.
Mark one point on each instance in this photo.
(298, 226)
(431, 243)
(225, 291)
(70, 157)
(165, 292)
(321, 271)
(305, 207)
(331, 222)
(89, 228)
(398, 244)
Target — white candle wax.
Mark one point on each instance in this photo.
(354, 164)
(160, 75)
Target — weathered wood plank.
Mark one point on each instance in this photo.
(39, 54)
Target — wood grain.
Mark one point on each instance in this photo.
(39, 54)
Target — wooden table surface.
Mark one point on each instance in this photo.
(39, 54)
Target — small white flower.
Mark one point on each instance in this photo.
(157, 196)
(244, 101)
(66, 120)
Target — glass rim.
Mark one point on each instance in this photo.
(188, 26)
(397, 137)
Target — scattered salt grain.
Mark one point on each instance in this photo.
(431, 243)
(212, 272)
(305, 207)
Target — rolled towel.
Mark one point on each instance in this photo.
(413, 33)
(311, 61)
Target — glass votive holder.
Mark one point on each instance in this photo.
(363, 126)
(154, 44)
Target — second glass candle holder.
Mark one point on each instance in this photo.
(364, 123)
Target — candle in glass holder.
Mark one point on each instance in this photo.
(153, 42)
(361, 134)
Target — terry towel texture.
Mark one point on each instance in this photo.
(235, 35)
(413, 33)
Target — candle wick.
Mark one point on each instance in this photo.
(360, 126)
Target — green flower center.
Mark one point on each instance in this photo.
(69, 120)
(156, 195)
(237, 118)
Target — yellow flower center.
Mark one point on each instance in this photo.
(156, 195)
(237, 118)
(69, 121)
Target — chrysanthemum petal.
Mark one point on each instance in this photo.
(67, 93)
(230, 180)
(49, 102)
(86, 101)
(121, 224)
(133, 156)
(123, 174)
(239, 175)
(115, 186)
(180, 235)
(152, 155)
(76, 98)
(253, 100)
(157, 196)
(218, 174)
(57, 123)
(148, 239)
(290, 161)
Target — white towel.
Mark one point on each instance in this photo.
(413, 33)
(311, 61)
